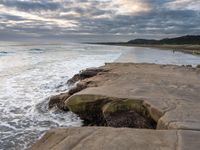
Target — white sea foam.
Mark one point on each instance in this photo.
(28, 77)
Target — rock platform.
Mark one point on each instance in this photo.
(162, 101)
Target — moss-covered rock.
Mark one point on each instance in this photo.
(124, 105)
(107, 111)
(88, 108)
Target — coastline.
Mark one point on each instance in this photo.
(190, 49)
(130, 102)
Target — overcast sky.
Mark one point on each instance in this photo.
(97, 20)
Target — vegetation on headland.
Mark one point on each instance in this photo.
(189, 39)
(188, 43)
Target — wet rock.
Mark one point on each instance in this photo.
(90, 72)
(58, 101)
(53, 101)
(198, 66)
(87, 73)
(79, 87)
(74, 79)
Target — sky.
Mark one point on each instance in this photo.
(97, 20)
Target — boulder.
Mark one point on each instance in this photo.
(58, 101)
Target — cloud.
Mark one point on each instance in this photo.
(31, 17)
(130, 6)
(98, 18)
(183, 5)
(31, 5)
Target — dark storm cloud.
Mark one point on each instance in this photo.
(64, 18)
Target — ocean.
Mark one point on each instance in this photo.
(31, 73)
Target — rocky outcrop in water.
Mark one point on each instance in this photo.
(58, 100)
(101, 111)
(164, 98)
(130, 95)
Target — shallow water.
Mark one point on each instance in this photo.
(153, 55)
(29, 74)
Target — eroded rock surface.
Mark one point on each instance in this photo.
(166, 93)
(170, 93)
(102, 138)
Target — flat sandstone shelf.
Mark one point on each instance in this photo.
(167, 94)
(102, 138)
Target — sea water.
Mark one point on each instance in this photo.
(30, 73)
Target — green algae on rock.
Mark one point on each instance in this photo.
(109, 111)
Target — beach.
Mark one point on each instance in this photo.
(187, 48)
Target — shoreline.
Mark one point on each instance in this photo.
(189, 49)
(132, 103)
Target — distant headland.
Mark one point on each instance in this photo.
(188, 43)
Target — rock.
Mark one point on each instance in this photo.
(101, 110)
(58, 101)
(84, 74)
(74, 79)
(106, 138)
(88, 108)
(127, 113)
(169, 93)
(53, 101)
(198, 66)
(78, 87)
(138, 96)
(90, 72)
